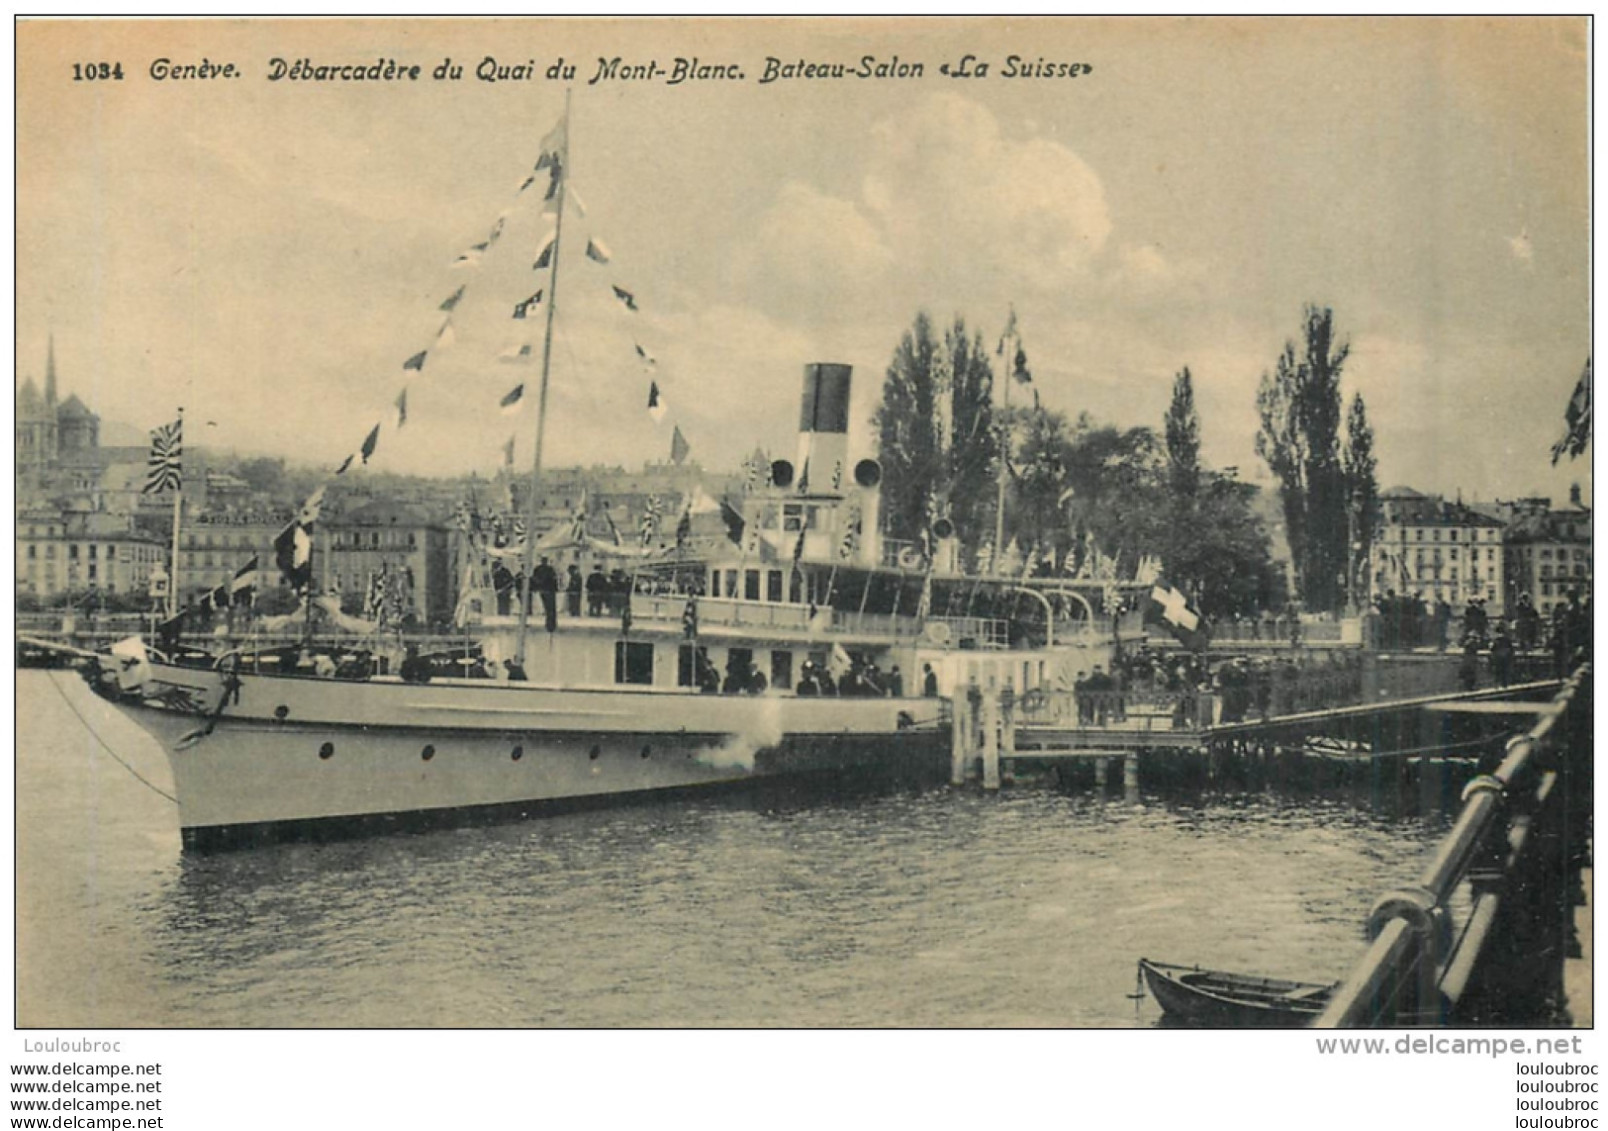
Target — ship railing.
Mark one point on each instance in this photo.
(1139, 710)
(1516, 849)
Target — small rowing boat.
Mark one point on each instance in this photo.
(1213, 999)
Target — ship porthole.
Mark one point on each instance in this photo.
(281, 712)
(519, 752)
(327, 751)
(646, 750)
(594, 752)
(428, 753)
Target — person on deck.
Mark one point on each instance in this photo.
(516, 673)
(545, 582)
(596, 591)
(896, 682)
(415, 668)
(929, 681)
(572, 591)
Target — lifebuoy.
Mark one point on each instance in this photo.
(909, 558)
(938, 632)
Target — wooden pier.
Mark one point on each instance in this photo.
(997, 732)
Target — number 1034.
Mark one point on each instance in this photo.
(92, 72)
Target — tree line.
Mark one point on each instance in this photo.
(1083, 497)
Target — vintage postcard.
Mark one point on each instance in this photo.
(942, 524)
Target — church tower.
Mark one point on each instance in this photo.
(50, 374)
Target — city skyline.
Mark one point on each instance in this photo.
(1176, 206)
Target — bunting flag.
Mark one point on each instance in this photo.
(451, 302)
(578, 519)
(650, 520)
(554, 146)
(522, 309)
(416, 362)
(346, 464)
(700, 501)
(679, 448)
(165, 465)
(312, 508)
(370, 442)
(508, 453)
(402, 408)
(647, 359)
(804, 477)
(656, 405)
(837, 475)
(1576, 419)
(293, 553)
(626, 297)
(446, 335)
(684, 529)
(596, 252)
(735, 523)
(374, 602)
(243, 586)
(544, 251)
(851, 532)
(526, 183)
(798, 547)
(516, 355)
(496, 230)
(1019, 370)
(614, 531)
(470, 258)
(513, 400)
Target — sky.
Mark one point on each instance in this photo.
(268, 253)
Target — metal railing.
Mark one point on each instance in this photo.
(1510, 843)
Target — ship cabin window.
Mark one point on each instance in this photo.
(714, 583)
(689, 660)
(731, 583)
(773, 585)
(751, 584)
(738, 661)
(792, 516)
(781, 676)
(795, 587)
(633, 662)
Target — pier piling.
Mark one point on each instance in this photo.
(991, 728)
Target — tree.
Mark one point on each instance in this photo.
(908, 441)
(1362, 489)
(1182, 432)
(936, 437)
(1299, 404)
(973, 443)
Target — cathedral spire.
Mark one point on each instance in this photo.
(50, 373)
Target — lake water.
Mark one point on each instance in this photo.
(933, 908)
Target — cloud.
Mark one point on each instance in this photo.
(955, 196)
(949, 209)
(811, 249)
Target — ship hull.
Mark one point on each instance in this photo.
(299, 758)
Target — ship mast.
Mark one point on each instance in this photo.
(541, 401)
